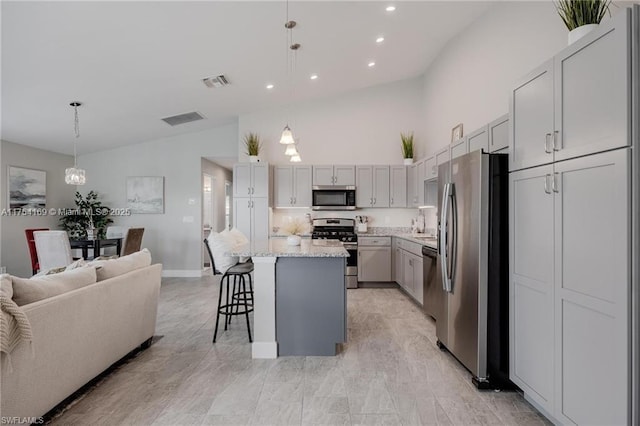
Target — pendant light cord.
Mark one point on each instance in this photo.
(76, 128)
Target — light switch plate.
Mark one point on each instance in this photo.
(187, 219)
(191, 201)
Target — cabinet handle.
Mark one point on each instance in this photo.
(410, 262)
(375, 200)
(253, 190)
(295, 200)
(249, 191)
(290, 200)
(546, 183)
(391, 200)
(554, 185)
(547, 141)
(249, 204)
(555, 141)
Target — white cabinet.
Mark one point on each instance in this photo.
(412, 185)
(372, 186)
(442, 157)
(408, 271)
(251, 180)
(251, 199)
(334, 175)
(459, 148)
(374, 259)
(292, 186)
(431, 168)
(479, 139)
(499, 134)
(251, 217)
(397, 186)
(555, 118)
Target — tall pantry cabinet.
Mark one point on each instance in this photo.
(571, 233)
(251, 200)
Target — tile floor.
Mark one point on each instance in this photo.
(389, 373)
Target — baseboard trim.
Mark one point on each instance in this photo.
(265, 350)
(181, 273)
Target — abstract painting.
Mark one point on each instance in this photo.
(27, 189)
(145, 194)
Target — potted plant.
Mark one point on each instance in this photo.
(89, 215)
(407, 148)
(253, 145)
(581, 16)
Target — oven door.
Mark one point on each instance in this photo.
(351, 272)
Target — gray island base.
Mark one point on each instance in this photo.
(300, 301)
(310, 305)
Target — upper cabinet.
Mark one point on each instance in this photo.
(459, 148)
(292, 186)
(577, 103)
(430, 168)
(498, 131)
(479, 139)
(251, 180)
(334, 175)
(372, 186)
(397, 186)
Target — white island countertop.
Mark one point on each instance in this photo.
(278, 247)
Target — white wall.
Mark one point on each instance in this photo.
(15, 253)
(469, 82)
(360, 127)
(175, 237)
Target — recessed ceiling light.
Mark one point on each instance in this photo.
(380, 39)
(314, 76)
(371, 64)
(270, 86)
(390, 8)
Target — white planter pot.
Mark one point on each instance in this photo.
(577, 33)
(253, 159)
(294, 240)
(408, 161)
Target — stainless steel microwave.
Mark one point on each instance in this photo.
(330, 197)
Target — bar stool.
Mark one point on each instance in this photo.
(238, 301)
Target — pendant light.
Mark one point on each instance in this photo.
(74, 175)
(292, 48)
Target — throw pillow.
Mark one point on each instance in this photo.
(29, 290)
(220, 246)
(6, 288)
(240, 240)
(112, 268)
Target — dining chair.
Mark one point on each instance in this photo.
(53, 249)
(35, 267)
(132, 241)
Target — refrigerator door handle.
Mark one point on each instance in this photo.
(454, 237)
(444, 231)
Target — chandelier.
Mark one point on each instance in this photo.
(74, 175)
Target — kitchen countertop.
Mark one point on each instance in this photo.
(278, 247)
(403, 233)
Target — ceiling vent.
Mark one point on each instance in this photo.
(183, 118)
(212, 82)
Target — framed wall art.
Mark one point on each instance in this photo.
(145, 194)
(27, 188)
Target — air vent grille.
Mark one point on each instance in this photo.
(183, 118)
(218, 81)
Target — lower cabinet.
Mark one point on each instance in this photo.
(569, 307)
(408, 271)
(374, 259)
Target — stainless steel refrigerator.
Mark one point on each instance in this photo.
(472, 316)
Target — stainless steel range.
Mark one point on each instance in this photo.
(342, 230)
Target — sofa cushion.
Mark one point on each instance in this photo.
(113, 267)
(6, 288)
(221, 244)
(76, 264)
(29, 290)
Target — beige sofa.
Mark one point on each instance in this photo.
(76, 336)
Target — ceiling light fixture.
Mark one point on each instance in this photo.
(371, 64)
(292, 48)
(270, 86)
(314, 76)
(296, 158)
(74, 175)
(291, 150)
(390, 8)
(380, 39)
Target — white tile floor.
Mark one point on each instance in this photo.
(389, 373)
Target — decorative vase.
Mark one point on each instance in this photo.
(253, 159)
(293, 240)
(408, 161)
(577, 33)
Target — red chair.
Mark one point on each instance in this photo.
(35, 266)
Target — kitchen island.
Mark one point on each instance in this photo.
(299, 297)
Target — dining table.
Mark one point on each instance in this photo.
(95, 245)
